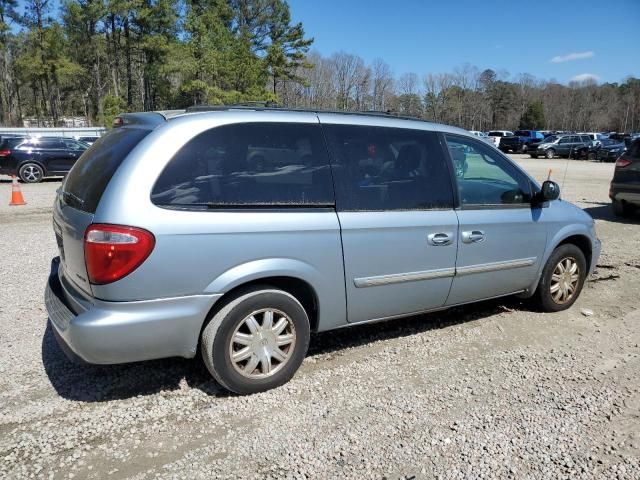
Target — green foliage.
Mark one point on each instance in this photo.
(98, 57)
(533, 117)
(112, 106)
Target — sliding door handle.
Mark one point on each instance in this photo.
(440, 239)
(473, 236)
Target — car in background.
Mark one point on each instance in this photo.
(496, 135)
(520, 141)
(608, 151)
(32, 159)
(90, 140)
(624, 191)
(596, 138)
(572, 146)
(481, 136)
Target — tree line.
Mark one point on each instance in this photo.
(97, 58)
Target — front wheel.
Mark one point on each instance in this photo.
(562, 279)
(591, 156)
(550, 153)
(257, 341)
(31, 173)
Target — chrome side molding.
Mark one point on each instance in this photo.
(403, 277)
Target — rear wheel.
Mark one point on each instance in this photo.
(257, 341)
(562, 279)
(591, 156)
(31, 173)
(550, 153)
(621, 209)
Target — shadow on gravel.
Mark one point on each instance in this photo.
(98, 383)
(93, 383)
(604, 212)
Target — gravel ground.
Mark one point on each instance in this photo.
(485, 391)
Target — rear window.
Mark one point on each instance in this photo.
(89, 177)
(523, 133)
(9, 143)
(249, 165)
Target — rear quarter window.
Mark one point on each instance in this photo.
(249, 165)
(89, 177)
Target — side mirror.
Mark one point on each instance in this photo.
(550, 191)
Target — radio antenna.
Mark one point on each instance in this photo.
(566, 167)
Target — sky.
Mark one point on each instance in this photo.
(562, 40)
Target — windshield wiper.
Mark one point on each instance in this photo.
(70, 196)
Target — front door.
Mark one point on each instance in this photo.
(501, 242)
(395, 205)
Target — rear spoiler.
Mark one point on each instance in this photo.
(145, 119)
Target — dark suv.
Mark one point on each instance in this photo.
(572, 146)
(35, 158)
(625, 186)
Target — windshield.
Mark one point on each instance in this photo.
(550, 139)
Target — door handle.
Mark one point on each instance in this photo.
(473, 236)
(440, 239)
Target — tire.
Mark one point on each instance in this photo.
(233, 321)
(524, 148)
(591, 156)
(31, 172)
(555, 301)
(550, 153)
(621, 209)
(533, 155)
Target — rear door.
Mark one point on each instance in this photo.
(52, 153)
(501, 242)
(395, 205)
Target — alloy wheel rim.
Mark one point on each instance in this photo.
(564, 280)
(262, 343)
(31, 173)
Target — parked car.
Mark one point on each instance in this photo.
(608, 151)
(596, 138)
(33, 159)
(574, 146)
(520, 141)
(496, 135)
(89, 140)
(240, 260)
(625, 185)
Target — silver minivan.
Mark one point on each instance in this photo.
(239, 231)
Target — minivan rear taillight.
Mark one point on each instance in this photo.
(5, 153)
(112, 252)
(622, 162)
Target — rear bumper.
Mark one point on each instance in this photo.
(99, 332)
(629, 193)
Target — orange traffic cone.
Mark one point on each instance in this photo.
(16, 194)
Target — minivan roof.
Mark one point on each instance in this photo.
(153, 119)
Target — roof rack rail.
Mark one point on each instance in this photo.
(271, 106)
